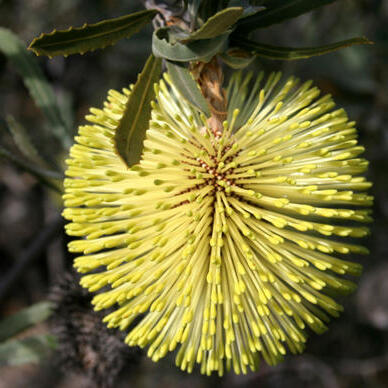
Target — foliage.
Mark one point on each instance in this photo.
(28, 349)
(213, 29)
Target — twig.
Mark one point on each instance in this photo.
(29, 255)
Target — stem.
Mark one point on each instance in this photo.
(210, 78)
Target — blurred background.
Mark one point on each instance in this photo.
(33, 257)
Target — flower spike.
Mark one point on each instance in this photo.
(226, 243)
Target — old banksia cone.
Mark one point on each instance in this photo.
(227, 242)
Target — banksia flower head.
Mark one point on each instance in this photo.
(228, 241)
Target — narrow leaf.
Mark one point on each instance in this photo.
(23, 319)
(23, 141)
(291, 53)
(27, 350)
(130, 133)
(43, 175)
(36, 83)
(218, 23)
(198, 50)
(277, 11)
(188, 88)
(91, 37)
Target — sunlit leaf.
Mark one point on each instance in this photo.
(91, 37)
(184, 82)
(218, 23)
(23, 319)
(130, 133)
(27, 350)
(292, 53)
(40, 90)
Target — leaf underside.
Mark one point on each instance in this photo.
(130, 133)
(291, 53)
(198, 50)
(91, 37)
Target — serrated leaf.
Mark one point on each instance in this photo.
(131, 130)
(292, 53)
(23, 319)
(186, 85)
(218, 23)
(198, 50)
(27, 350)
(237, 59)
(91, 37)
(276, 12)
(36, 83)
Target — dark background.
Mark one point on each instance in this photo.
(354, 352)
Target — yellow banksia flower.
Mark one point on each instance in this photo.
(226, 244)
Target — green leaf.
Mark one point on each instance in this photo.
(23, 319)
(45, 176)
(186, 85)
(218, 23)
(291, 53)
(27, 350)
(130, 133)
(198, 50)
(23, 141)
(237, 59)
(91, 37)
(276, 12)
(33, 78)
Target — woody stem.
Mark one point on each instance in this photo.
(210, 78)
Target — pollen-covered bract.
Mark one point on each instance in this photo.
(225, 243)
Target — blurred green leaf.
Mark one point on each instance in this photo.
(291, 53)
(130, 133)
(43, 175)
(218, 23)
(36, 83)
(23, 319)
(27, 350)
(91, 37)
(198, 50)
(187, 86)
(277, 11)
(23, 141)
